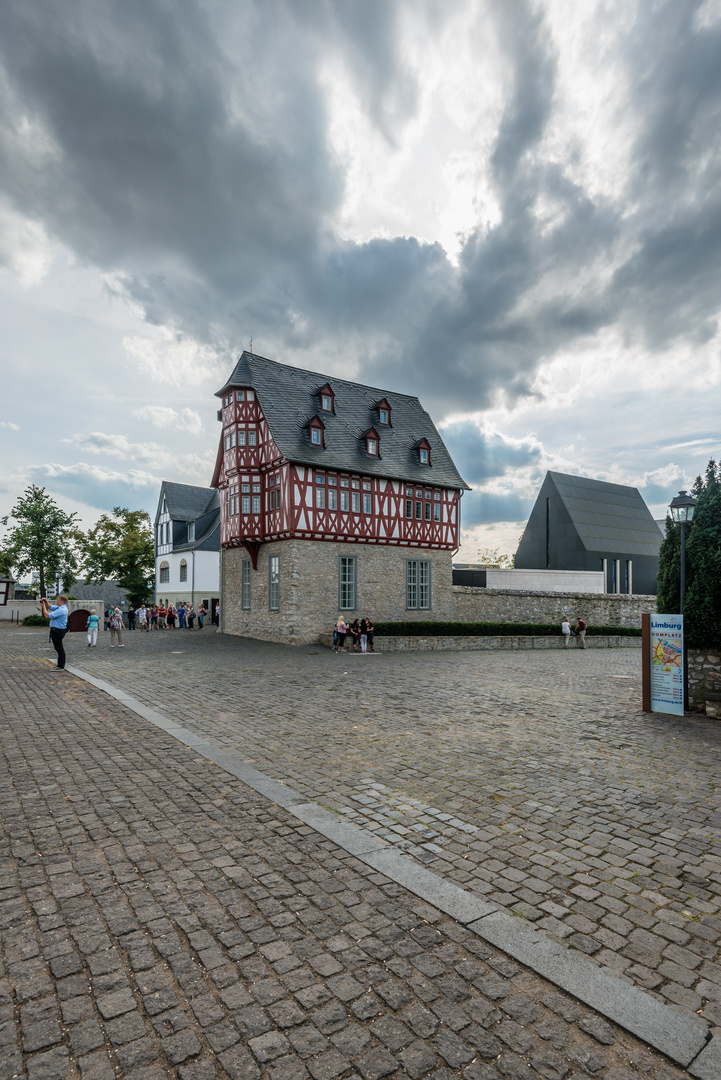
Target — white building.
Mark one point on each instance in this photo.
(187, 545)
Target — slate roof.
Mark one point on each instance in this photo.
(290, 398)
(608, 517)
(186, 502)
(107, 591)
(207, 541)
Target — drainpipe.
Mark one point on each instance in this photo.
(192, 582)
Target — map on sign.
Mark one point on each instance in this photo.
(667, 664)
(666, 653)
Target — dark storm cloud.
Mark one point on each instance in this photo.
(185, 148)
(481, 456)
(482, 508)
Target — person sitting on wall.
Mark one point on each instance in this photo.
(370, 633)
(566, 631)
(355, 632)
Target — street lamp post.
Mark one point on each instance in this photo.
(682, 508)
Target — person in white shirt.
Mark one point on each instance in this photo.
(566, 631)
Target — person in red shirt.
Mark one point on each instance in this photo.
(580, 632)
(162, 612)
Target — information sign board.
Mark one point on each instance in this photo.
(667, 664)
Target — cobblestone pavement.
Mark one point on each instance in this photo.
(160, 919)
(532, 779)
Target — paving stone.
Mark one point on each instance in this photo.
(207, 862)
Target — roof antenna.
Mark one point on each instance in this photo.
(250, 345)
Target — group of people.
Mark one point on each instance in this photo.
(361, 633)
(578, 631)
(159, 617)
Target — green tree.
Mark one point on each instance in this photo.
(44, 541)
(703, 564)
(120, 548)
(495, 558)
(703, 592)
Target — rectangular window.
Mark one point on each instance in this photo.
(274, 582)
(183, 571)
(226, 441)
(373, 447)
(409, 508)
(356, 501)
(320, 498)
(256, 504)
(419, 510)
(240, 395)
(191, 532)
(355, 484)
(315, 436)
(332, 499)
(245, 570)
(250, 395)
(164, 574)
(332, 480)
(320, 478)
(277, 498)
(367, 502)
(232, 439)
(251, 437)
(424, 457)
(346, 582)
(384, 416)
(436, 511)
(344, 481)
(327, 405)
(427, 511)
(241, 437)
(418, 584)
(344, 501)
(245, 503)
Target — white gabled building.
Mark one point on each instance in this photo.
(187, 545)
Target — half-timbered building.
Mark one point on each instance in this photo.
(335, 498)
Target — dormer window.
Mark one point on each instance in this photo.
(384, 413)
(372, 443)
(191, 532)
(316, 431)
(424, 452)
(327, 399)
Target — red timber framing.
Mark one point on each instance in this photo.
(266, 498)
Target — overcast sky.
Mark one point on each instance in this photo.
(511, 209)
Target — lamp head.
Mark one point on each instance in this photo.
(682, 507)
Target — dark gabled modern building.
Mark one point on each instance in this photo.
(583, 524)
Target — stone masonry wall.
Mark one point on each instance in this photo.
(309, 593)
(484, 644)
(704, 681)
(501, 605)
(309, 588)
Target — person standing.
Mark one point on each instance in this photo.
(142, 618)
(217, 614)
(131, 617)
(92, 629)
(341, 629)
(170, 618)
(580, 632)
(201, 617)
(58, 616)
(190, 614)
(182, 612)
(364, 635)
(116, 627)
(162, 615)
(566, 631)
(370, 632)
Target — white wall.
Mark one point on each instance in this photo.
(9, 612)
(203, 578)
(581, 581)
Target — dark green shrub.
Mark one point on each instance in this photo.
(35, 620)
(422, 628)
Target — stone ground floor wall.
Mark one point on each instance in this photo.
(309, 594)
(704, 681)
(309, 588)
(502, 605)
(476, 644)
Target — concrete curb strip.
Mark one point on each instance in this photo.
(679, 1034)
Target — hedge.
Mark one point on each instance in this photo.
(491, 629)
(35, 620)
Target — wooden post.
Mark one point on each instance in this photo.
(646, 662)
